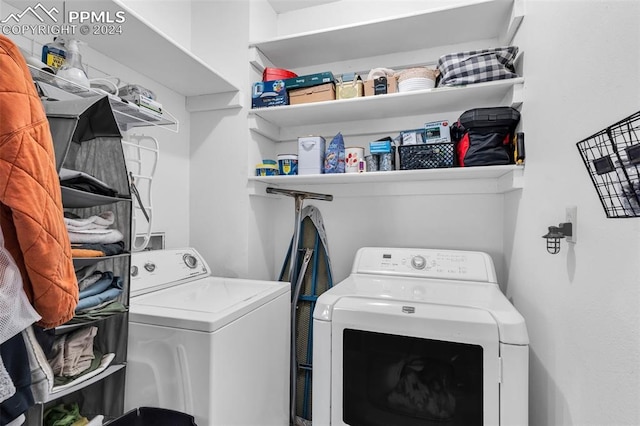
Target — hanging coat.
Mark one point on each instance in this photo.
(31, 214)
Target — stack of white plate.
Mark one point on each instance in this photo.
(416, 83)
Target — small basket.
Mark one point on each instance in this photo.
(612, 158)
(426, 156)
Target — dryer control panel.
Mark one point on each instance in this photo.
(425, 263)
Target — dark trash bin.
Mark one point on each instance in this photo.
(150, 416)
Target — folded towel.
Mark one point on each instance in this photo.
(106, 236)
(101, 221)
(86, 253)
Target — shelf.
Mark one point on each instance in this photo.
(80, 262)
(101, 375)
(482, 20)
(75, 198)
(128, 114)
(144, 48)
(438, 100)
(456, 180)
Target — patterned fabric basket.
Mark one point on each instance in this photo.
(476, 66)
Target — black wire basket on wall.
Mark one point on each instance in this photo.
(612, 158)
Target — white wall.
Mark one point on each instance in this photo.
(582, 73)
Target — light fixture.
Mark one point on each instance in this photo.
(555, 234)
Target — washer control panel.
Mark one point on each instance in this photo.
(426, 263)
(155, 269)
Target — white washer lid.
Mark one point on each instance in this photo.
(390, 289)
(204, 305)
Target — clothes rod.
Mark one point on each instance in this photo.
(299, 194)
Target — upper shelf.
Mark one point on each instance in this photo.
(144, 48)
(438, 100)
(128, 114)
(480, 20)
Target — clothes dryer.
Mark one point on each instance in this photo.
(419, 337)
(215, 348)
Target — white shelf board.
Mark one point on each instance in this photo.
(84, 383)
(473, 21)
(438, 100)
(456, 180)
(144, 48)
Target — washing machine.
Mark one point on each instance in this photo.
(419, 337)
(215, 348)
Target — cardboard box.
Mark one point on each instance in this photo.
(309, 80)
(370, 86)
(311, 150)
(305, 95)
(269, 93)
(437, 132)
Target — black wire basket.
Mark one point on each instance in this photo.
(612, 158)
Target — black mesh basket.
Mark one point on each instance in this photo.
(426, 156)
(612, 158)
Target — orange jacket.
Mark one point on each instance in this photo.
(31, 214)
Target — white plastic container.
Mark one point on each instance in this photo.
(311, 150)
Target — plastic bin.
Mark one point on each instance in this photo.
(426, 156)
(150, 416)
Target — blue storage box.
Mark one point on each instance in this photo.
(269, 93)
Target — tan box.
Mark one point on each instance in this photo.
(350, 89)
(305, 95)
(392, 86)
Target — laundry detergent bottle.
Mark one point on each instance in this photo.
(72, 68)
(54, 53)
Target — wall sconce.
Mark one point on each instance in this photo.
(555, 234)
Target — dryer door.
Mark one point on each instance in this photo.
(408, 363)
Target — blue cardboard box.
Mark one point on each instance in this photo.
(309, 80)
(269, 93)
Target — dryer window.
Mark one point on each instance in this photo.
(401, 380)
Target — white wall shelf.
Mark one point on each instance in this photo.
(146, 49)
(483, 20)
(128, 114)
(483, 23)
(420, 102)
(455, 180)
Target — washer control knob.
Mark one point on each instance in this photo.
(150, 266)
(190, 260)
(134, 271)
(418, 262)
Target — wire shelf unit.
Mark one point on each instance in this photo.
(612, 158)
